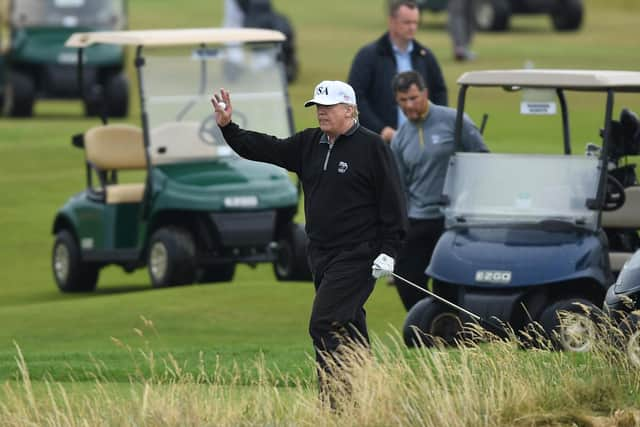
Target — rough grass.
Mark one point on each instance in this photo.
(489, 384)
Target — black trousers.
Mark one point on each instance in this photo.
(343, 283)
(414, 257)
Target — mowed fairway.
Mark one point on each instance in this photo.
(255, 315)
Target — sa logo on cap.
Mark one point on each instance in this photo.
(323, 90)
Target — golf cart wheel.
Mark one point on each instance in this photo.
(23, 93)
(171, 257)
(291, 261)
(117, 95)
(491, 15)
(70, 272)
(219, 273)
(93, 104)
(567, 15)
(429, 323)
(569, 324)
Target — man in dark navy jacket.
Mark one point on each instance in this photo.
(375, 65)
(355, 210)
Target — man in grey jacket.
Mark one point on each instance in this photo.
(422, 147)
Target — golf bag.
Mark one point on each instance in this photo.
(260, 14)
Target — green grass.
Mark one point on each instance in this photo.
(233, 323)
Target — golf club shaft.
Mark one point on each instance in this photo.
(439, 298)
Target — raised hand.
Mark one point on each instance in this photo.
(222, 107)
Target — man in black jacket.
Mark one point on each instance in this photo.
(375, 65)
(354, 207)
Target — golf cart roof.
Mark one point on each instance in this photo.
(175, 37)
(581, 80)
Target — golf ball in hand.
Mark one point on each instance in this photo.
(222, 105)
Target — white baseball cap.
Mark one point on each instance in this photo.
(332, 92)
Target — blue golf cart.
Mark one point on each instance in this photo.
(532, 236)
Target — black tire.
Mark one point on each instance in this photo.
(291, 262)
(23, 93)
(93, 100)
(117, 95)
(576, 331)
(219, 273)
(491, 15)
(171, 257)
(70, 272)
(430, 322)
(567, 15)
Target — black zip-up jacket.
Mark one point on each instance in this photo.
(372, 70)
(352, 189)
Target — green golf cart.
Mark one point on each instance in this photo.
(170, 194)
(35, 63)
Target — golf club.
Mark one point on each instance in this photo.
(474, 316)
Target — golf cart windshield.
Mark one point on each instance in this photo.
(179, 84)
(527, 189)
(94, 14)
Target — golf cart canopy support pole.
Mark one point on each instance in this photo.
(604, 153)
(148, 193)
(457, 142)
(80, 70)
(566, 131)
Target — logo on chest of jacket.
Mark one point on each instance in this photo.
(342, 167)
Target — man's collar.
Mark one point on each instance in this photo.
(396, 50)
(324, 139)
(383, 45)
(424, 116)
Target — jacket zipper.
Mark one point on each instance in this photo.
(326, 159)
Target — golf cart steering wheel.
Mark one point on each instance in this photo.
(209, 132)
(615, 195)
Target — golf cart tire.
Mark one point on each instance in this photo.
(425, 320)
(291, 263)
(550, 322)
(218, 273)
(117, 95)
(171, 257)
(23, 94)
(568, 15)
(491, 15)
(70, 272)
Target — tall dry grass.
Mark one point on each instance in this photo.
(489, 384)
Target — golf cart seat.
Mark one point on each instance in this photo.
(116, 147)
(628, 216)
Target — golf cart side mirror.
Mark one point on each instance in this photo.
(592, 204)
(77, 140)
(592, 150)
